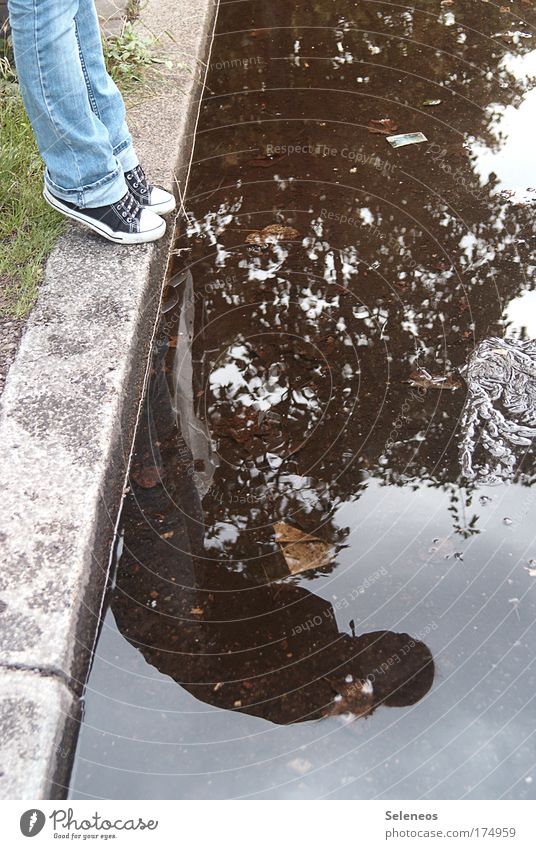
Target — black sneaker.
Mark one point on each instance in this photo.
(124, 222)
(150, 197)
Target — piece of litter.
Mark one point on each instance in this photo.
(426, 380)
(431, 102)
(402, 139)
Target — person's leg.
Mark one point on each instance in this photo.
(107, 103)
(105, 98)
(81, 167)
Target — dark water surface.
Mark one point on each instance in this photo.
(379, 641)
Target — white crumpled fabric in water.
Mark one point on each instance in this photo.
(499, 416)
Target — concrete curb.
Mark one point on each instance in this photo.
(67, 421)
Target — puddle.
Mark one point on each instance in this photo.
(311, 599)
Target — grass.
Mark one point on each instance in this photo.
(29, 228)
(132, 60)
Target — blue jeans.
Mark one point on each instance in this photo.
(76, 110)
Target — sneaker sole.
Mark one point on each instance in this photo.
(103, 229)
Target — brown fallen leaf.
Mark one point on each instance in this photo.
(383, 126)
(271, 234)
(146, 476)
(302, 551)
(247, 426)
(426, 380)
(356, 697)
(231, 159)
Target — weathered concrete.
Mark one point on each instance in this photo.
(111, 15)
(68, 411)
(39, 718)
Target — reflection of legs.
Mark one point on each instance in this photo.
(75, 144)
(160, 449)
(104, 96)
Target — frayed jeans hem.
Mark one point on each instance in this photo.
(102, 192)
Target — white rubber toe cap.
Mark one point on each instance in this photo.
(161, 201)
(151, 225)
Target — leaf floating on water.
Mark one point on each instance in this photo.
(383, 126)
(355, 697)
(426, 380)
(302, 551)
(247, 425)
(266, 161)
(147, 476)
(288, 533)
(271, 234)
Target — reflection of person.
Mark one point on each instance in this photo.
(78, 117)
(269, 650)
(235, 641)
